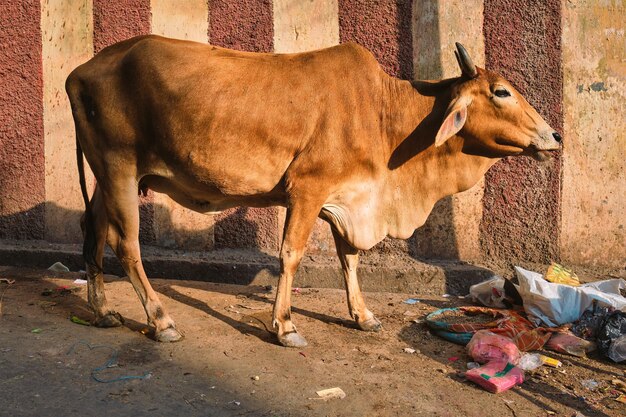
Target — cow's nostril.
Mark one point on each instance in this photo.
(557, 137)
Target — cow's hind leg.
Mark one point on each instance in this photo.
(95, 282)
(349, 258)
(123, 237)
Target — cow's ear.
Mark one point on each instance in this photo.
(455, 118)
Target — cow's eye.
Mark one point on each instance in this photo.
(502, 92)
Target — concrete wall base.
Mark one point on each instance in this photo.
(387, 273)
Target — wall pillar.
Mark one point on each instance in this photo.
(67, 34)
(594, 144)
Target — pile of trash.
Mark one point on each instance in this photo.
(555, 312)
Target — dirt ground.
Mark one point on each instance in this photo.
(229, 364)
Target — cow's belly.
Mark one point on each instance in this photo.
(208, 199)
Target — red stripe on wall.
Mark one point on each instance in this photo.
(114, 21)
(522, 196)
(383, 27)
(22, 159)
(245, 25)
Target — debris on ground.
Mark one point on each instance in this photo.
(80, 281)
(486, 346)
(110, 363)
(408, 350)
(60, 291)
(558, 304)
(58, 267)
(619, 384)
(489, 293)
(554, 363)
(500, 356)
(331, 393)
(77, 320)
(530, 361)
(459, 324)
(558, 274)
(8, 282)
(567, 342)
(589, 324)
(612, 337)
(231, 308)
(46, 304)
(552, 305)
(411, 301)
(496, 376)
(590, 384)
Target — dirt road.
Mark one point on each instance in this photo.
(229, 364)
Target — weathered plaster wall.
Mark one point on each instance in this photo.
(67, 33)
(452, 230)
(180, 19)
(571, 207)
(383, 27)
(245, 25)
(594, 156)
(521, 203)
(302, 25)
(22, 172)
(116, 20)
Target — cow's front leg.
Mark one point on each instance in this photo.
(299, 222)
(349, 258)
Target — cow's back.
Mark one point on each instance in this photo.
(231, 120)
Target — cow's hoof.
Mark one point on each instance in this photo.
(292, 339)
(112, 319)
(168, 335)
(371, 325)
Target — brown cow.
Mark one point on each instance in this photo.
(324, 133)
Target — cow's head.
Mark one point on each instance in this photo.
(492, 117)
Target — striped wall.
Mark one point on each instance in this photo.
(571, 208)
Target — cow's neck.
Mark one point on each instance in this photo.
(422, 172)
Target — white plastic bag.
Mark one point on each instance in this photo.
(556, 304)
(489, 293)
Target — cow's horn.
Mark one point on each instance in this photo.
(465, 62)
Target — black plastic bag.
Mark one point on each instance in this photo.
(612, 329)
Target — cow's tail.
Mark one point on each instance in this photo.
(90, 244)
